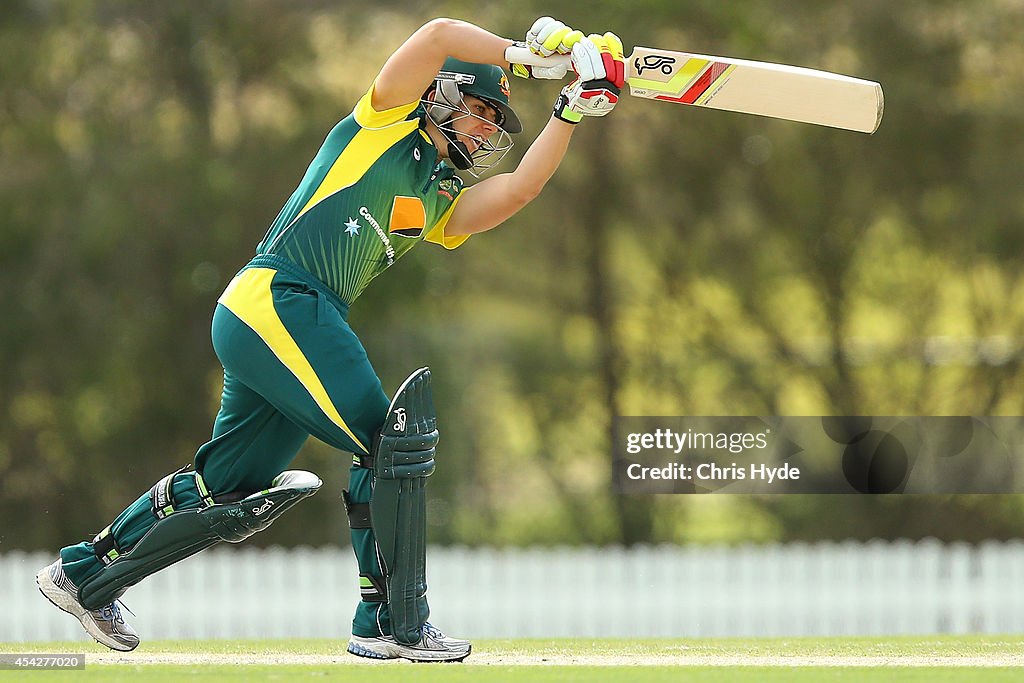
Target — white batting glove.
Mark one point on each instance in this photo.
(548, 37)
(600, 68)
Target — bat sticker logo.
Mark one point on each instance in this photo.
(650, 62)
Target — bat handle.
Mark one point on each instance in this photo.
(522, 55)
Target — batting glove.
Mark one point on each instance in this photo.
(600, 68)
(548, 37)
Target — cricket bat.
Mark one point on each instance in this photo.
(777, 90)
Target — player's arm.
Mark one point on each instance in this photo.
(492, 201)
(411, 69)
(598, 62)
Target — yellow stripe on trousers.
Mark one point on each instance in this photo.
(249, 297)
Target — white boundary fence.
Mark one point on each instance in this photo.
(777, 590)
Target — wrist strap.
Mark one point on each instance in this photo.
(562, 112)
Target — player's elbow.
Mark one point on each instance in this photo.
(437, 30)
(523, 192)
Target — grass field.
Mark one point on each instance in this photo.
(933, 659)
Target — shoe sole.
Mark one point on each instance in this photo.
(395, 651)
(60, 599)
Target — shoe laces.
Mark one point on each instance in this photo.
(112, 612)
(433, 631)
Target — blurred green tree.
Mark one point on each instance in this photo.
(681, 262)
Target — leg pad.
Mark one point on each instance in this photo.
(182, 533)
(402, 459)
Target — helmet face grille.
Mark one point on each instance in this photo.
(448, 107)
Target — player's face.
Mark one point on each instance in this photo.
(479, 126)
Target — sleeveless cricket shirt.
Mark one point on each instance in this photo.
(373, 191)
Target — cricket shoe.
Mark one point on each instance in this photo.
(106, 624)
(433, 646)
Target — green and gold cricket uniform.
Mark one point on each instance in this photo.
(373, 191)
(292, 365)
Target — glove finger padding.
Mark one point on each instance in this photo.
(599, 58)
(549, 36)
(614, 62)
(598, 62)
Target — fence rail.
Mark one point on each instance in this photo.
(777, 590)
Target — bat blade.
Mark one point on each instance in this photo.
(777, 90)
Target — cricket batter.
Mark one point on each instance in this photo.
(382, 182)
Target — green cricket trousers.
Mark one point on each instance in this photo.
(292, 367)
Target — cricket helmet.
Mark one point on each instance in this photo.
(445, 106)
(486, 81)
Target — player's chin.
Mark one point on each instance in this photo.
(471, 143)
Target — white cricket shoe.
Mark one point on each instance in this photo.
(434, 646)
(106, 624)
